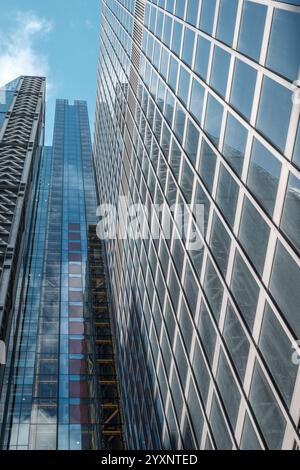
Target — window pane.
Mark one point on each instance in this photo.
(219, 428)
(284, 287)
(245, 290)
(249, 439)
(263, 176)
(191, 141)
(213, 119)
(283, 56)
(197, 97)
(291, 212)
(213, 289)
(274, 112)
(207, 15)
(235, 144)
(243, 87)
(201, 198)
(226, 23)
(252, 29)
(277, 351)
(296, 156)
(266, 409)
(228, 389)
(236, 341)
(220, 244)
(201, 373)
(254, 235)
(207, 332)
(207, 165)
(202, 57)
(227, 195)
(188, 46)
(220, 69)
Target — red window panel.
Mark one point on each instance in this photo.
(76, 328)
(75, 296)
(77, 367)
(79, 389)
(74, 236)
(75, 282)
(74, 226)
(75, 311)
(73, 246)
(74, 268)
(74, 257)
(79, 414)
(77, 346)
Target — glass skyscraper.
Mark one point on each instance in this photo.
(50, 397)
(198, 103)
(22, 109)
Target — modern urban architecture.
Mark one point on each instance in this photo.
(22, 109)
(198, 104)
(58, 358)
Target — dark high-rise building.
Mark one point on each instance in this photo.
(22, 109)
(198, 105)
(54, 370)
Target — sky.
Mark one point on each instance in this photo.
(54, 38)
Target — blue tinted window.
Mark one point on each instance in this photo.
(245, 290)
(179, 122)
(266, 409)
(177, 37)
(284, 286)
(192, 11)
(188, 46)
(274, 112)
(252, 29)
(296, 155)
(191, 141)
(202, 57)
(207, 165)
(167, 30)
(207, 15)
(227, 195)
(197, 97)
(283, 56)
(291, 213)
(173, 73)
(213, 119)
(220, 69)
(276, 349)
(254, 235)
(220, 244)
(180, 7)
(235, 143)
(227, 18)
(184, 84)
(263, 177)
(243, 88)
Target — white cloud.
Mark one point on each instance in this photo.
(18, 52)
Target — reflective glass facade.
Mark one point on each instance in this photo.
(197, 103)
(50, 400)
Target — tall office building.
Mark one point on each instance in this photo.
(198, 104)
(22, 109)
(51, 393)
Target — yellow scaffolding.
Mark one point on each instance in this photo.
(110, 414)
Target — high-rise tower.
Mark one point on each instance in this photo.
(55, 365)
(198, 104)
(22, 109)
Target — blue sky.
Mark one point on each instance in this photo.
(56, 38)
